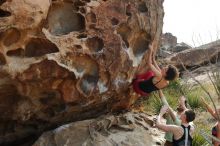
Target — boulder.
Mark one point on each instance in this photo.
(168, 41)
(208, 53)
(70, 60)
(130, 129)
(181, 47)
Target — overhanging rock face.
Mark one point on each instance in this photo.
(64, 60)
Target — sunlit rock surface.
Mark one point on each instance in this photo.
(69, 60)
(130, 129)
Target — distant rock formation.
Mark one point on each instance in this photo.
(69, 60)
(181, 47)
(169, 45)
(168, 41)
(208, 53)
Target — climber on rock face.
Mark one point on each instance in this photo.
(152, 80)
(155, 79)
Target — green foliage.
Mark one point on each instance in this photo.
(173, 92)
(218, 80)
(198, 140)
(216, 77)
(177, 89)
(193, 98)
(194, 101)
(154, 104)
(174, 88)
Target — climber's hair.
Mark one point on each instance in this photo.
(190, 115)
(172, 73)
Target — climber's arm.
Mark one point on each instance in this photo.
(154, 68)
(174, 117)
(170, 110)
(155, 64)
(162, 126)
(163, 98)
(183, 102)
(167, 128)
(154, 57)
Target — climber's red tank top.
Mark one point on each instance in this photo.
(143, 84)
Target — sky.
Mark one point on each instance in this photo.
(195, 22)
